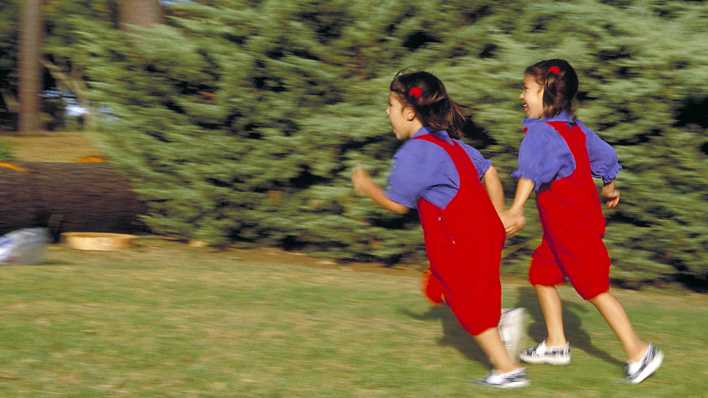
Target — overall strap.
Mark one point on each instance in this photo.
(459, 156)
(574, 138)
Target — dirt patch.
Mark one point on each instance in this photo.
(51, 147)
(278, 256)
(271, 256)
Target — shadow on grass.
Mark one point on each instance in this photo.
(453, 334)
(51, 263)
(578, 337)
(46, 263)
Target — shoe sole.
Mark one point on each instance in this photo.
(514, 384)
(650, 369)
(547, 361)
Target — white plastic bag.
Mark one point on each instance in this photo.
(24, 246)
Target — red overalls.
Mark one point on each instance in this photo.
(464, 242)
(573, 226)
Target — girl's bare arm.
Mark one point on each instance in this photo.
(364, 185)
(494, 188)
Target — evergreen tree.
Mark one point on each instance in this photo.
(241, 121)
(9, 38)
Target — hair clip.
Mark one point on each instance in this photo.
(415, 92)
(554, 69)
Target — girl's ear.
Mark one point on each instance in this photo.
(409, 113)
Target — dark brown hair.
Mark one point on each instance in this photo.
(559, 82)
(428, 97)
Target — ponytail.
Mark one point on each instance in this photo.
(560, 85)
(428, 97)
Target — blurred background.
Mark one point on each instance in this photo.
(239, 122)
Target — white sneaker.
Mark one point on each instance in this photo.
(636, 372)
(511, 330)
(550, 355)
(514, 379)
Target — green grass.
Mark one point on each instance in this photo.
(166, 320)
(5, 153)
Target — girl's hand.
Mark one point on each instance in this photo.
(362, 181)
(513, 221)
(611, 195)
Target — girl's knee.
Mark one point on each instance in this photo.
(594, 295)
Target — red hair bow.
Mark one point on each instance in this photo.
(415, 91)
(554, 69)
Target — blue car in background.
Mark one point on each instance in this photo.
(63, 109)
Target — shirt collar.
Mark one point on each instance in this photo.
(424, 130)
(561, 117)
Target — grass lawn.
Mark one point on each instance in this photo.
(167, 320)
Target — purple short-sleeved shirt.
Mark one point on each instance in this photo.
(545, 157)
(424, 169)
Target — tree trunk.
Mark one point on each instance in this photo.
(68, 197)
(144, 13)
(31, 32)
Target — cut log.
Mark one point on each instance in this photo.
(19, 206)
(68, 197)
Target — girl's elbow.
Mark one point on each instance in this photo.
(491, 174)
(400, 209)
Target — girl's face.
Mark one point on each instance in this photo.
(403, 119)
(532, 97)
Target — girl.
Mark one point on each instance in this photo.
(439, 176)
(558, 158)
